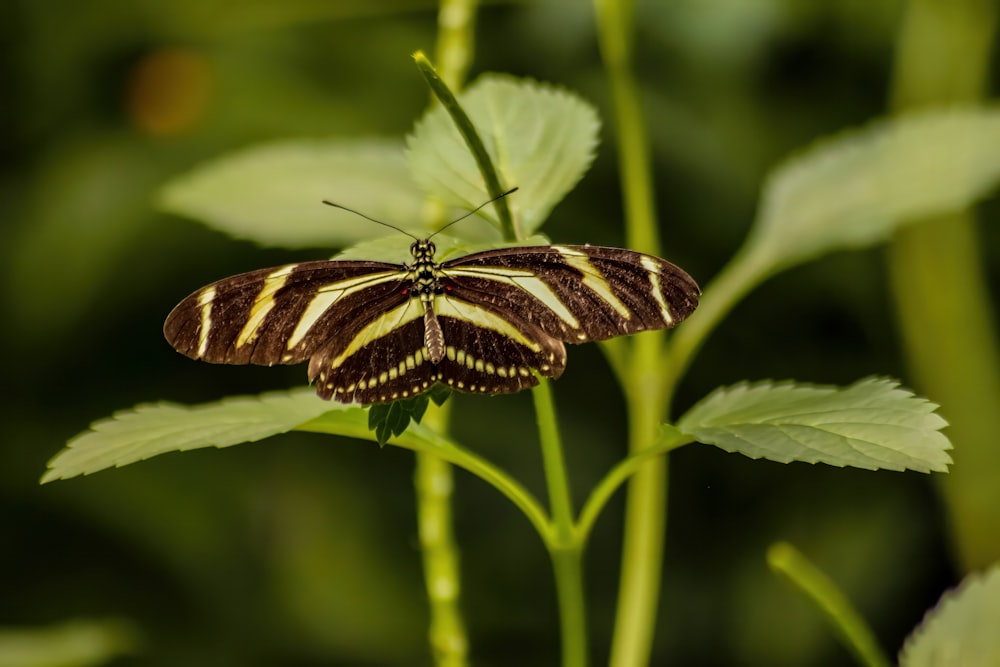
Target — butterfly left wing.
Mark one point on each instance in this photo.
(379, 359)
(281, 315)
(575, 293)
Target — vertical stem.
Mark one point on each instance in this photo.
(645, 511)
(567, 564)
(455, 40)
(614, 23)
(645, 522)
(937, 277)
(433, 478)
(565, 546)
(560, 497)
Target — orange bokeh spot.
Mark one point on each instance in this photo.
(169, 91)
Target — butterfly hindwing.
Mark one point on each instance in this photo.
(388, 360)
(383, 363)
(484, 360)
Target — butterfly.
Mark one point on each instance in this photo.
(486, 322)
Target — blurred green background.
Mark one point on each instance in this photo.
(302, 550)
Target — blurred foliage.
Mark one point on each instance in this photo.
(302, 551)
(959, 630)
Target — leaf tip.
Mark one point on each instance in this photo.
(780, 555)
(49, 475)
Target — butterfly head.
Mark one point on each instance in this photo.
(423, 249)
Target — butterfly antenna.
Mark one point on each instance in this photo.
(473, 211)
(379, 222)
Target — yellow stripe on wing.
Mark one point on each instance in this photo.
(328, 295)
(526, 281)
(381, 326)
(205, 302)
(263, 303)
(593, 279)
(482, 317)
(653, 270)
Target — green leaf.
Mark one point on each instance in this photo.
(396, 248)
(961, 629)
(540, 138)
(73, 644)
(273, 194)
(149, 430)
(392, 419)
(439, 393)
(871, 424)
(853, 190)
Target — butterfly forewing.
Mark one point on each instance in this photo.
(578, 293)
(282, 315)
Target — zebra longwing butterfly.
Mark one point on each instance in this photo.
(375, 332)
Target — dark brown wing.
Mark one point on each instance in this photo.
(282, 315)
(385, 359)
(576, 293)
(503, 315)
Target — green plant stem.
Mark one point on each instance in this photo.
(422, 439)
(938, 280)
(646, 394)
(618, 475)
(645, 516)
(455, 40)
(554, 463)
(433, 479)
(472, 139)
(614, 23)
(855, 634)
(567, 565)
(565, 549)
